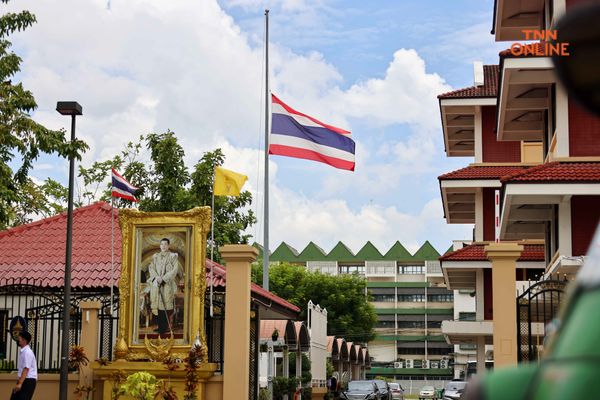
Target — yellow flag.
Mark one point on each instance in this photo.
(228, 183)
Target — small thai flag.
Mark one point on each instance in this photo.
(121, 188)
(297, 135)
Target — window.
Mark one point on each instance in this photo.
(411, 351)
(439, 352)
(466, 316)
(411, 269)
(434, 324)
(411, 324)
(384, 298)
(385, 324)
(415, 298)
(467, 346)
(352, 269)
(440, 298)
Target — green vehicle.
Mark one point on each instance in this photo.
(570, 368)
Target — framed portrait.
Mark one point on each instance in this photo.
(162, 283)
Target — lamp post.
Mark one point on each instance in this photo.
(73, 109)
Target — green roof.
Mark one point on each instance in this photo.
(340, 252)
(284, 252)
(312, 252)
(426, 253)
(450, 249)
(369, 253)
(259, 248)
(397, 253)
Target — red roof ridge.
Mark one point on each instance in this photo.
(488, 89)
(78, 210)
(529, 170)
(475, 252)
(480, 171)
(559, 171)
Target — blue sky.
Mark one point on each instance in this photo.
(194, 66)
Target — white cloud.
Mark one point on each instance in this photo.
(146, 66)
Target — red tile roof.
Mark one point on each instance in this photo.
(36, 252)
(488, 89)
(482, 172)
(571, 172)
(476, 252)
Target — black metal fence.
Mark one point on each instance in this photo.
(42, 308)
(537, 306)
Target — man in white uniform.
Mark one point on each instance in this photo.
(27, 370)
(163, 285)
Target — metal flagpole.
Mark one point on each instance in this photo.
(112, 253)
(266, 192)
(212, 242)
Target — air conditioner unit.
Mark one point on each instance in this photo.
(410, 363)
(398, 364)
(425, 364)
(444, 364)
(434, 364)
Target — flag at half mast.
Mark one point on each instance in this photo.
(294, 134)
(121, 188)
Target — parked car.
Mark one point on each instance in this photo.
(362, 390)
(397, 391)
(454, 390)
(384, 389)
(427, 392)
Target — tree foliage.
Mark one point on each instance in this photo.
(166, 184)
(349, 313)
(22, 140)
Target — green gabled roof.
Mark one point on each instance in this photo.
(450, 249)
(398, 253)
(312, 252)
(284, 252)
(340, 252)
(369, 253)
(259, 248)
(426, 253)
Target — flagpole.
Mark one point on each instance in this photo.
(212, 242)
(266, 191)
(112, 253)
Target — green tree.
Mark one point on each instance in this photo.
(165, 184)
(349, 313)
(22, 139)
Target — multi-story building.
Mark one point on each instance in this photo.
(410, 299)
(534, 187)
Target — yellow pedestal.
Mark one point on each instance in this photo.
(102, 374)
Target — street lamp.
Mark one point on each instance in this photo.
(73, 109)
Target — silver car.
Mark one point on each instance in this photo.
(454, 390)
(397, 391)
(427, 392)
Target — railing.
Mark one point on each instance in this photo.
(433, 268)
(380, 268)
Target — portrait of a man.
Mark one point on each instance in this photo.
(161, 281)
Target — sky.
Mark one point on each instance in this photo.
(197, 67)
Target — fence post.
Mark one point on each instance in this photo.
(89, 338)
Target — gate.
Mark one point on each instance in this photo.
(536, 307)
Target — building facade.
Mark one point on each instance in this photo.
(533, 184)
(409, 296)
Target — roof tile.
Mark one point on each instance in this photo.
(572, 172)
(482, 172)
(488, 89)
(476, 252)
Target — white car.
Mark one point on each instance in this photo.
(427, 392)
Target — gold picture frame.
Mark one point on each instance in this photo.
(144, 241)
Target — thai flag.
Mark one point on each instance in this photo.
(294, 134)
(121, 188)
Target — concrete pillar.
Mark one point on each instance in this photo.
(89, 338)
(479, 295)
(236, 376)
(504, 263)
(480, 355)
